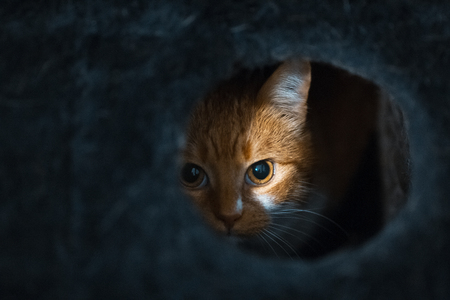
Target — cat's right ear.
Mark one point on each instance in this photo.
(289, 85)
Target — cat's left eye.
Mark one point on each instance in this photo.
(192, 176)
(260, 172)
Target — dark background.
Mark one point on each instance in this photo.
(94, 98)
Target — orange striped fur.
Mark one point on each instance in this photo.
(247, 119)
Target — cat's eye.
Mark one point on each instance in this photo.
(193, 176)
(260, 172)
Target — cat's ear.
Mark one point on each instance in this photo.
(289, 85)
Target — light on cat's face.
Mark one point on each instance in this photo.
(224, 204)
(246, 147)
(261, 172)
(234, 198)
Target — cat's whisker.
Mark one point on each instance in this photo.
(318, 224)
(295, 210)
(328, 219)
(284, 241)
(260, 235)
(281, 228)
(285, 210)
(268, 234)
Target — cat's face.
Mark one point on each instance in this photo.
(248, 150)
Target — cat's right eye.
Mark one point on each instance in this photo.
(260, 172)
(192, 176)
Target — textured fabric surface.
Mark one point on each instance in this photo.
(94, 98)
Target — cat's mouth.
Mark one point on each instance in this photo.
(242, 231)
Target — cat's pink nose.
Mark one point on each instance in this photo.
(229, 219)
(229, 212)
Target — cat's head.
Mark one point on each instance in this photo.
(248, 149)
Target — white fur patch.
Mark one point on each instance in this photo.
(265, 200)
(239, 205)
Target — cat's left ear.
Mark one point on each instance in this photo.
(289, 85)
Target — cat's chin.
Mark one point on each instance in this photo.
(233, 240)
(243, 242)
(238, 240)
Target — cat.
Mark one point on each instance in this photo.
(270, 156)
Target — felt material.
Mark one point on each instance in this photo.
(94, 98)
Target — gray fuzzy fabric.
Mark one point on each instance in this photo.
(94, 98)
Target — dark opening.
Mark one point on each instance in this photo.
(360, 177)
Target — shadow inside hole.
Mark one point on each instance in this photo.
(360, 155)
(360, 135)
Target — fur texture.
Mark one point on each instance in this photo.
(94, 100)
(322, 145)
(248, 119)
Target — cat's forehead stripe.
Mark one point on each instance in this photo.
(247, 150)
(235, 144)
(203, 153)
(215, 147)
(226, 143)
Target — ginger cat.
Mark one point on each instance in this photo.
(269, 162)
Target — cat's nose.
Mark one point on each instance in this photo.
(229, 213)
(229, 219)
